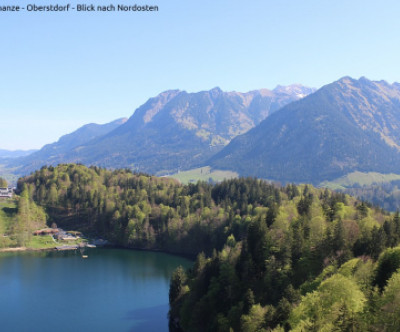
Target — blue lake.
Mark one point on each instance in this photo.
(111, 290)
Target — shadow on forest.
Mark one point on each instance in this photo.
(9, 210)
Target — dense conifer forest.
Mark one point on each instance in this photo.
(386, 195)
(269, 257)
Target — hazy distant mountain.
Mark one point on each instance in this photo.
(55, 153)
(177, 130)
(15, 153)
(349, 125)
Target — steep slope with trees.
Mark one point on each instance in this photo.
(316, 272)
(19, 217)
(346, 126)
(289, 258)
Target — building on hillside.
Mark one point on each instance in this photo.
(6, 192)
(46, 231)
(65, 236)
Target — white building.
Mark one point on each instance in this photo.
(6, 192)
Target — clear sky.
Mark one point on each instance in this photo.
(62, 70)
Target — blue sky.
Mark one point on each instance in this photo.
(60, 71)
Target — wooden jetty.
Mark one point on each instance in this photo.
(67, 247)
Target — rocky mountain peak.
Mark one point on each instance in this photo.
(297, 90)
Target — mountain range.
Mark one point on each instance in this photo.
(289, 134)
(15, 153)
(174, 130)
(346, 126)
(55, 153)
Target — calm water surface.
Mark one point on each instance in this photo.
(111, 290)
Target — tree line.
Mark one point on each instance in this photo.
(269, 257)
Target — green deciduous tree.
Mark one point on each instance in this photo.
(389, 316)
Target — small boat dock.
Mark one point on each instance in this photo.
(67, 247)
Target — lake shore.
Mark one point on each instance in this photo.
(24, 249)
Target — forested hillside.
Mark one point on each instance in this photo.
(19, 217)
(346, 126)
(142, 211)
(306, 271)
(269, 257)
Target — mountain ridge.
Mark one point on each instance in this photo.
(53, 152)
(348, 125)
(4, 153)
(175, 130)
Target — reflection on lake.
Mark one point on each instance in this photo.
(111, 290)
